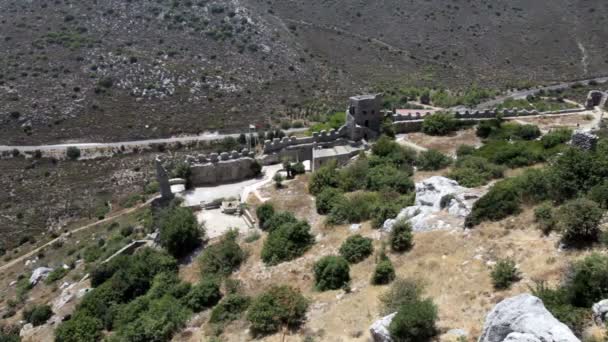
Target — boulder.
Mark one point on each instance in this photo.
(524, 318)
(600, 309)
(379, 329)
(39, 274)
(440, 204)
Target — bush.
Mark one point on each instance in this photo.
(203, 295)
(433, 160)
(384, 210)
(326, 199)
(325, 177)
(287, 242)
(465, 150)
(37, 315)
(230, 308)
(298, 169)
(599, 194)
(414, 322)
(556, 137)
(557, 301)
(80, 328)
(474, 171)
(401, 238)
(439, 123)
(331, 273)
(73, 153)
(264, 213)
(589, 281)
(55, 275)
(384, 272)
(543, 216)
(387, 177)
(278, 180)
(527, 132)
(222, 258)
(356, 248)
(279, 306)
(578, 221)
(278, 219)
(504, 274)
(355, 208)
(501, 201)
(179, 231)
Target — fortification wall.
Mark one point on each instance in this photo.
(486, 114)
(317, 137)
(223, 171)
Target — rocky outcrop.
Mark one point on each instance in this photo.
(39, 274)
(379, 329)
(600, 309)
(440, 204)
(584, 140)
(524, 318)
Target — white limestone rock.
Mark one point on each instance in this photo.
(40, 274)
(523, 318)
(600, 309)
(379, 329)
(429, 213)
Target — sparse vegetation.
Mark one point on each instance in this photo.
(222, 258)
(280, 306)
(504, 274)
(401, 238)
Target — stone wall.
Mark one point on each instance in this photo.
(485, 114)
(317, 137)
(221, 171)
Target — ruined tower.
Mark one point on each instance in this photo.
(364, 116)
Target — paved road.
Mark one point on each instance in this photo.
(134, 143)
(525, 92)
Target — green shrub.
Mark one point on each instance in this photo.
(354, 208)
(387, 151)
(230, 308)
(432, 160)
(384, 272)
(73, 152)
(578, 221)
(331, 273)
(543, 216)
(277, 220)
(504, 274)
(203, 295)
(471, 171)
(502, 200)
(385, 210)
(439, 123)
(325, 177)
(414, 322)
(287, 242)
(326, 199)
(557, 301)
(387, 177)
(278, 307)
(401, 238)
(179, 231)
(222, 258)
(599, 194)
(356, 248)
(350, 177)
(556, 137)
(465, 150)
(80, 328)
(298, 169)
(37, 315)
(55, 275)
(527, 132)
(588, 282)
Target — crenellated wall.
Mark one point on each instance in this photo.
(215, 170)
(318, 137)
(485, 114)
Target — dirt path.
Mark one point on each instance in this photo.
(90, 225)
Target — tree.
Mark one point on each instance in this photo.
(37, 315)
(287, 242)
(414, 322)
(222, 258)
(331, 273)
(439, 123)
(230, 308)
(264, 213)
(383, 177)
(242, 139)
(256, 168)
(326, 176)
(356, 248)
(502, 200)
(278, 307)
(589, 281)
(73, 152)
(287, 169)
(504, 274)
(578, 221)
(277, 220)
(401, 293)
(179, 231)
(278, 180)
(203, 295)
(401, 236)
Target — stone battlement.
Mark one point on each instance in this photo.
(317, 137)
(216, 158)
(484, 114)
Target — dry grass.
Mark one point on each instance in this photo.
(446, 144)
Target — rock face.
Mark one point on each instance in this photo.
(440, 204)
(379, 329)
(39, 274)
(524, 318)
(600, 309)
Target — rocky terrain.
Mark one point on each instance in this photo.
(108, 70)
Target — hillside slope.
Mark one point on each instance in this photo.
(118, 69)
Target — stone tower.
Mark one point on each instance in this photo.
(364, 116)
(163, 180)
